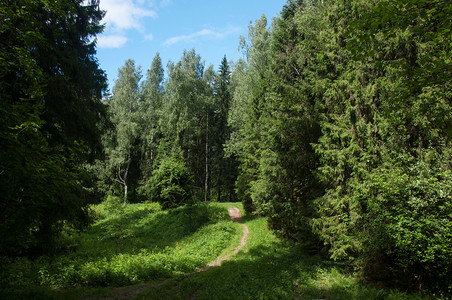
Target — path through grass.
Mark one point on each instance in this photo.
(153, 255)
(268, 268)
(126, 246)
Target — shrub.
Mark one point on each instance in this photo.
(410, 221)
(112, 204)
(171, 183)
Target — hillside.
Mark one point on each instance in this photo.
(144, 252)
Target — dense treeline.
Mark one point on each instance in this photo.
(341, 123)
(336, 124)
(166, 142)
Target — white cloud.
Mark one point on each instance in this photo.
(149, 37)
(125, 14)
(111, 41)
(203, 33)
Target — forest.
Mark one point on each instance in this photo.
(334, 128)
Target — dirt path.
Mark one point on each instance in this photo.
(133, 291)
(234, 213)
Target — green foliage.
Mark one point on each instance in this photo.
(185, 113)
(223, 167)
(121, 141)
(152, 91)
(271, 268)
(340, 119)
(171, 183)
(50, 88)
(250, 84)
(153, 119)
(110, 206)
(335, 125)
(409, 209)
(130, 244)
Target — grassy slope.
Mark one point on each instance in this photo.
(269, 268)
(151, 246)
(138, 243)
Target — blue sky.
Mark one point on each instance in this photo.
(138, 29)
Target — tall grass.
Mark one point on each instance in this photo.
(141, 243)
(269, 268)
(127, 245)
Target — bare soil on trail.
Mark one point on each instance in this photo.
(234, 214)
(132, 291)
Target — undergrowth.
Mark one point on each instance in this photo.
(126, 245)
(140, 243)
(270, 268)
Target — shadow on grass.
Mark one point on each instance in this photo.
(130, 231)
(276, 270)
(145, 241)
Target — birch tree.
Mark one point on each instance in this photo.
(123, 110)
(150, 109)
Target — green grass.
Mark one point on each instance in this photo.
(138, 243)
(141, 243)
(268, 268)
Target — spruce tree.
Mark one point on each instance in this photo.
(246, 109)
(224, 167)
(51, 89)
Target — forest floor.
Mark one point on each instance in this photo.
(204, 251)
(263, 266)
(133, 291)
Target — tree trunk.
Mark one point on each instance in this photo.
(125, 193)
(219, 184)
(124, 179)
(206, 187)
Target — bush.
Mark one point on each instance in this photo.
(113, 206)
(410, 221)
(171, 183)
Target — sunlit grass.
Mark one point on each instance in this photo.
(269, 268)
(129, 245)
(147, 245)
